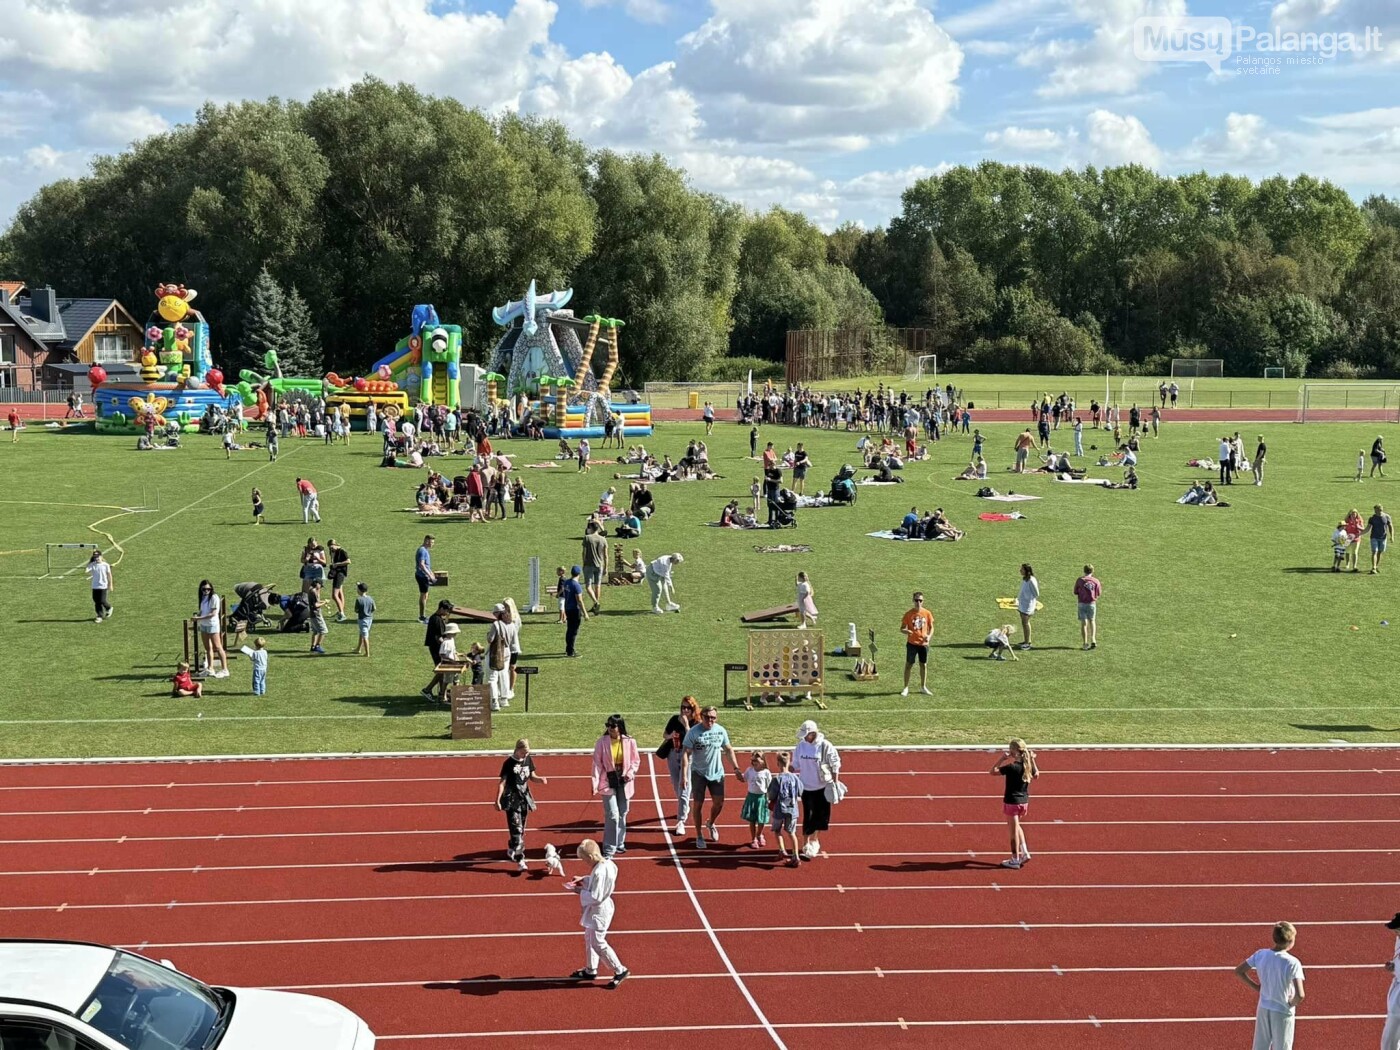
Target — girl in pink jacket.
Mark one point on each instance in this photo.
(615, 764)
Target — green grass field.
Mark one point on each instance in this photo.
(1216, 625)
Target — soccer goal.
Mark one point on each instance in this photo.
(1148, 391)
(1356, 402)
(1198, 367)
(64, 560)
(922, 366)
(1275, 373)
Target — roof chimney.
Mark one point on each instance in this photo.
(43, 304)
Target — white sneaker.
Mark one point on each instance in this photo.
(221, 674)
(680, 828)
(926, 690)
(714, 832)
(495, 705)
(505, 701)
(904, 691)
(1011, 862)
(109, 614)
(510, 695)
(522, 865)
(97, 620)
(673, 607)
(658, 610)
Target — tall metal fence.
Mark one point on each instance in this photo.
(816, 354)
(681, 395)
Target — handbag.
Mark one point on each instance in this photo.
(615, 780)
(667, 746)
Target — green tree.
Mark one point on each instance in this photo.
(264, 325)
(301, 354)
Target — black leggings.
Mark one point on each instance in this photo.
(100, 604)
(816, 812)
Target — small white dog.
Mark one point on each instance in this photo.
(552, 864)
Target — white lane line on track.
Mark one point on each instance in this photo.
(862, 928)
(854, 799)
(1061, 1022)
(575, 828)
(856, 775)
(700, 912)
(881, 972)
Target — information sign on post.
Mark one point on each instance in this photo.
(471, 712)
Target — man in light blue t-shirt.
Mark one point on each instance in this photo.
(423, 575)
(705, 747)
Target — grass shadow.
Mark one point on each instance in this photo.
(1344, 729)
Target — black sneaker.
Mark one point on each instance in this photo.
(585, 975)
(619, 977)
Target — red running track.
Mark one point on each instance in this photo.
(380, 883)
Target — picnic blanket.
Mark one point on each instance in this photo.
(783, 548)
(814, 502)
(1010, 603)
(1084, 481)
(540, 466)
(877, 481)
(1001, 517)
(1011, 497)
(887, 534)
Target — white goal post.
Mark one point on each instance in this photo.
(62, 560)
(1147, 392)
(1198, 367)
(1349, 402)
(1276, 373)
(922, 366)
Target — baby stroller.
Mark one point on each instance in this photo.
(254, 601)
(784, 510)
(297, 614)
(843, 485)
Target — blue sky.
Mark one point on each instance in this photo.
(831, 107)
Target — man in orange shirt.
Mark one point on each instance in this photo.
(917, 628)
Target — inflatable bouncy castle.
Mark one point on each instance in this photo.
(541, 351)
(178, 380)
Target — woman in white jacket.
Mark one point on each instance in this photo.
(818, 765)
(595, 894)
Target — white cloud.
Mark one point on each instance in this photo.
(1102, 63)
(1116, 139)
(119, 127)
(1027, 139)
(1366, 118)
(989, 48)
(820, 73)
(652, 11)
(604, 105)
(1344, 16)
(1297, 14)
(1244, 137)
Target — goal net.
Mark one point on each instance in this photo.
(1198, 367)
(680, 395)
(1356, 402)
(66, 560)
(1147, 392)
(921, 366)
(1275, 373)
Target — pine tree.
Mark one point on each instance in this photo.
(264, 321)
(301, 341)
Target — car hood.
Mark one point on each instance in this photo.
(264, 1020)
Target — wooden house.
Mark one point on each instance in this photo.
(50, 343)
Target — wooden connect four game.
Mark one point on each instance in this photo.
(786, 661)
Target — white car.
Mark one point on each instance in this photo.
(68, 995)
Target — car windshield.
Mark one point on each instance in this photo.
(146, 1006)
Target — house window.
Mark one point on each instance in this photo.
(110, 349)
(7, 350)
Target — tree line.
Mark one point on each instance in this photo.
(361, 202)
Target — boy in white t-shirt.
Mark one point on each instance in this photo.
(1280, 988)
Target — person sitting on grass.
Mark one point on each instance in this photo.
(1130, 480)
(566, 451)
(1194, 494)
(183, 683)
(630, 527)
(938, 527)
(999, 642)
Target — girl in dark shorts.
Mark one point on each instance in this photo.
(1018, 766)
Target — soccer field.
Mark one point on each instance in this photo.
(1217, 625)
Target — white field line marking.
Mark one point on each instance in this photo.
(700, 911)
(411, 832)
(147, 810)
(171, 905)
(833, 715)
(894, 749)
(856, 775)
(901, 1023)
(710, 932)
(1047, 971)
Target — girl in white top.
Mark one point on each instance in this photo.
(595, 894)
(100, 575)
(806, 605)
(1026, 599)
(210, 622)
(999, 642)
(755, 810)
